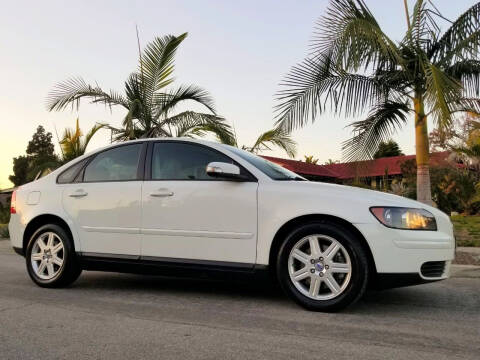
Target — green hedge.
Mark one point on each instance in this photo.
(4, 231)
(467, 230)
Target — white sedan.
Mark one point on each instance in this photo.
(178, 206)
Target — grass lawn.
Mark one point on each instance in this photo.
(467, 230)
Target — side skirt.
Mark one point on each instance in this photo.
(169, 266)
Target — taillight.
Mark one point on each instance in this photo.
(13, 203)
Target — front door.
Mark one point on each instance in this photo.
(188, 215)
(105, 205)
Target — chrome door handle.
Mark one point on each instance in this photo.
(78, 194)
(162, 193)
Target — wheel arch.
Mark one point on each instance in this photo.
(40, 220)
(304, 219)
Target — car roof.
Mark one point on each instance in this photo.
(213, 144)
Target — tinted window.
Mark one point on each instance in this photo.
(181, 161)
(68, 176)
(274, 171)
(114, 165)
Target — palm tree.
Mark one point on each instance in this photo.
(355, 67)
(331, 162)
(310, 159)
(74, 144)
(387, 149)
(150, 107)
(274, 137)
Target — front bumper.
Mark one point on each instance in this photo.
(385, 281)
(406, 251)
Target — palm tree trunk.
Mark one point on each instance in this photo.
(424, 193)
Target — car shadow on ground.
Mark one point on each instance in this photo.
(250, 289)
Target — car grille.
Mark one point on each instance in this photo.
(433, 268)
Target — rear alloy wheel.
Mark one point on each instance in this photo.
(51, 261)
(322, 267)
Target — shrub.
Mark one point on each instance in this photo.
(4, 231)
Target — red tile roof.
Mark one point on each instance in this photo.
(369, 168)
(301, 167)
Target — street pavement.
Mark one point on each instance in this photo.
(121, 316)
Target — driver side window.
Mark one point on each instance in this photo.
(182, 161)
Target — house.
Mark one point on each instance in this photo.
(373, 173)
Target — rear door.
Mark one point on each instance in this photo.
(189, 216)
(105, 203)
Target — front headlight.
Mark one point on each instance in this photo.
(405, 218)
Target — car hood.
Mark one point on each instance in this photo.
(354, 195)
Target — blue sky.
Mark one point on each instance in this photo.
(237, 50)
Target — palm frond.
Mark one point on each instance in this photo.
(441, 92)
(164, 103)
(276, 137)
(351, 34)
(189, 123)
(461, 40)
(466, 105)
(316, 85)
(73, 142)
(382, 121)
(157, 64)
(423, 30)
(89, 135)
(468, 73)
(70, 92)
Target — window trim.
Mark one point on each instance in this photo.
(80, 175)
(86, 160)
(149, 160)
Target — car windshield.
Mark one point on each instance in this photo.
(272, 170)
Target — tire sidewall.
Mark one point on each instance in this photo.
(68, 255)
(359, 275)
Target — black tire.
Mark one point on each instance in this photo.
(69, 271)
(359, 266)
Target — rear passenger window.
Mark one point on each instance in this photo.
(117, 164)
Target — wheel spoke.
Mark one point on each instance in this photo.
(50, 240)
(314, 246)
(50, 270)
(339, 268)
(301, 274)
(301, 256)
(332, 284)
(331, 250)
(37, 257)
(314, 285)
(57, 260)
(57, 248)
(41, 244)
(41, 267)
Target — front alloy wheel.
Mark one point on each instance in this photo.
(319, 267)
(322, 266)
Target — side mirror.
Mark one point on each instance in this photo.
(224, 170)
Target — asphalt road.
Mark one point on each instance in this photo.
(118, 316)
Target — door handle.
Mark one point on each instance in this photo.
(78, 194)
(162, 193)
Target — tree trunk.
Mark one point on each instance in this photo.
(424, 192)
